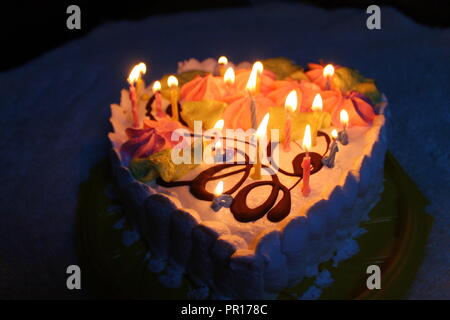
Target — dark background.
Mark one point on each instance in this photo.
(31, 28)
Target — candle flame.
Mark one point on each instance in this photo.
(156, 86)
(307, 138)
(334, 133)
(344, 117)
(258, 66)
(229, 76)
(317, 104)
(218, 144)
(219, 188)
(136, 72)
(261, 131)
(222, 60)
(328, 71)
(251, 83)
(172, 81)
(219, 124)
(291, 101)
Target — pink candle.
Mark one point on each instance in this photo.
(287, 135)
(158, 102)
(134, 106)
(134, 76)
(290, 106)
(306, 163)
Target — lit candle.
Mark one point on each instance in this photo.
(260, 134)
(259, 68)
(172, 82)
(251, 87)
(218, 151)
(343, 136)
(306, 163)
(134, 76)
(318, 115)
(223, 62)
(329, 160)
(290, 105)
(229, 79)
(158, 104)
(328, 73)
(220, 200)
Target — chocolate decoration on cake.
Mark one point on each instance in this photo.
(168, 111)
(275, 211)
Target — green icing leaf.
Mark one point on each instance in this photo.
(143, 170)
(299, 75)
(208, 111)
(317, 121)
(161, 164)
(183, 78)
(370, 90)
(282, 67)
(348, 79)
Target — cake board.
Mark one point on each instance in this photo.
(115, 259)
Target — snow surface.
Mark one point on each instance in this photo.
(55, 113)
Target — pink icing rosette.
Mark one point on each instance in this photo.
(358, 106)
(153, 137)
(306, 91)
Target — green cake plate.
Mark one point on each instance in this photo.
(115, 264)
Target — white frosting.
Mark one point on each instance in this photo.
(322, 184)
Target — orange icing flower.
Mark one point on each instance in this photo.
(266, 80)
(315, 74)
(306, 92)
(237, 114)
(203, 88)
